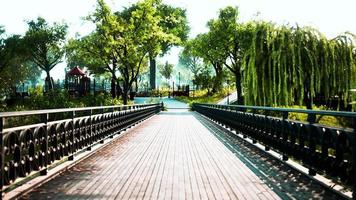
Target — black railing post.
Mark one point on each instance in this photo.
(45, 120)
(254, 138)
(311, 119)
(284, 135)
(2, 159)
(112, 110)
(267, 129)
(90, 129)
(71, 156)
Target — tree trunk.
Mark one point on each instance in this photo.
(118, 89)
(152, 73)
(217, 85)
(240, 100)
(113, 86)
(125, 94)
(49, 81)
(307, 100)
(218, 81)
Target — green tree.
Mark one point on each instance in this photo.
(206, 46)
(14, 66)
(90, 51)
(45, 45)
(173, 21)
(230, 40)
(3, 56)
(292, 65)
(189, 60)
(204, 78)
(130, 36)
(166, 71)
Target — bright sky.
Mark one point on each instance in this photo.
(331, 17)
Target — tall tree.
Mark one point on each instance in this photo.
(206, 46)
(45, 45)
(14, 65)
(227, 31)
(173, 21)
(292, 65)
(130, 36)
(190, 60)
(90, 51)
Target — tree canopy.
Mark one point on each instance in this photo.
(166, 70)
(278, 65)
(45, 43)
(129, 36)
(14, 65)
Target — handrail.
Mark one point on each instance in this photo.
(28, 148)
(294, 110)
(61, 110)
(322, 149)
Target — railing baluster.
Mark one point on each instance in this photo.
(311, 119)
(45, 119)
(284, 135)
(71, 156)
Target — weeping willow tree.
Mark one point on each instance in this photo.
(292, 65)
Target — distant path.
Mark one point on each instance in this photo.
(170, 103)
(232, 98)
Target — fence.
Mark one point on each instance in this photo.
(322, 149)
(53, 134)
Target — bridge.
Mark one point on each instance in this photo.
(142, 152)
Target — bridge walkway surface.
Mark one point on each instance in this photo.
(179, 155)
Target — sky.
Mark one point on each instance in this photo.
(331, 17)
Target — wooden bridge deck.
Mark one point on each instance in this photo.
(170, 156)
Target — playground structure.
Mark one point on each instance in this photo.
(77, 82)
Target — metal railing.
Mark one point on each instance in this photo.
(50, 135)
(322, 149)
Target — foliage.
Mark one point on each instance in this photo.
(44, 45)
(58, 99)
(291, 65)
(190, 60)
(325, 120)
(204, 78)
(173, 20)
(14, 65)
(206, 46)
(130, 36)
(203, 96)
(90, 51)
(166, 70)
(278, 65)
(232, 43)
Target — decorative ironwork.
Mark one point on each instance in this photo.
(322, 149)
(61, 132)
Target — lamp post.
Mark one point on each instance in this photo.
(179, 80)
